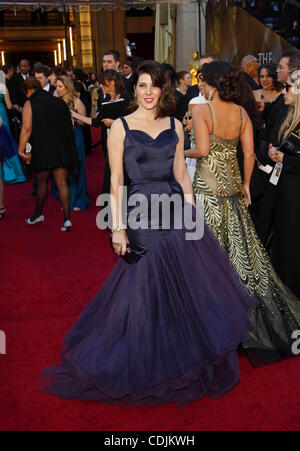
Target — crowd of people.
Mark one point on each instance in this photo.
(229, 143)
(280, 16)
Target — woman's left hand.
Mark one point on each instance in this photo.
(107, 122)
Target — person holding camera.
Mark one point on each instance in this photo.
(285, 248)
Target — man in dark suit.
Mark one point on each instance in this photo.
(42, 74)
(249, 66)
(18, 96)
(128, 76)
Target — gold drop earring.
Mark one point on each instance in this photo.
(210, 94)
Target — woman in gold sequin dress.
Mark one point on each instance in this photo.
(218, 127)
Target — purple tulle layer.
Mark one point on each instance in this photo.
(165, 329)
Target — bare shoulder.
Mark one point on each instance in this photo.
(244, 113)
(77, 101)
(117, 128)
(200, 110)
(27, 106)
(178, 126)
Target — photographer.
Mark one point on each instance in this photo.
(285, 249)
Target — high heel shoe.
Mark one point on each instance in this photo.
(67, 226)
(2, 211)
(37, 220)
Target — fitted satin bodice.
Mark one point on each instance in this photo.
(218, 174)
(147, 158)
(149, 163)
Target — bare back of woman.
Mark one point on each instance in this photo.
(219, 189)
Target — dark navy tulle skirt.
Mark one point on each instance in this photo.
(165, 329)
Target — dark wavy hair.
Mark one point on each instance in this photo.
(166, 104)
(224, 77)
(112, 75)
(248, 102)
(271, 69)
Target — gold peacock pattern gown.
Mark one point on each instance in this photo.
(217, 186)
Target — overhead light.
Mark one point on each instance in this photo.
(59, 53)
(71, 41)
(2, 58)
(55, 57)
(64, 49)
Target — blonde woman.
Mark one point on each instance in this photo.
(286, 240)
(79, 199)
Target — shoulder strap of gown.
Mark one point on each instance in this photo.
(241, 113)
(124, 124)
(212, 118)
(172, 122)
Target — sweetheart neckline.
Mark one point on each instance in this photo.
(147, 134)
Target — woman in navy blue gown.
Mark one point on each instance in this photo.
(165, 328)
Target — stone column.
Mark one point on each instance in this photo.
(187, 34)
(109, 31)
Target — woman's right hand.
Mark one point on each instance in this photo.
(120, 242)
(246, 194)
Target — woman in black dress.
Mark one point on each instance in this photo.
(47, 126)
(285, 250)
(114, 90)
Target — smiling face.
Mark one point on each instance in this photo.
(265, 79)
(205, 88)
(200, 83)
(147, 95)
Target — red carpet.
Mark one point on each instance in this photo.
(46, 279)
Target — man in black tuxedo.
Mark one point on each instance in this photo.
(18, 96)
(42, 74)
(128, 76)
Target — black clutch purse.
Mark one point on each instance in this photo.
(291, 145)
(130, 256)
